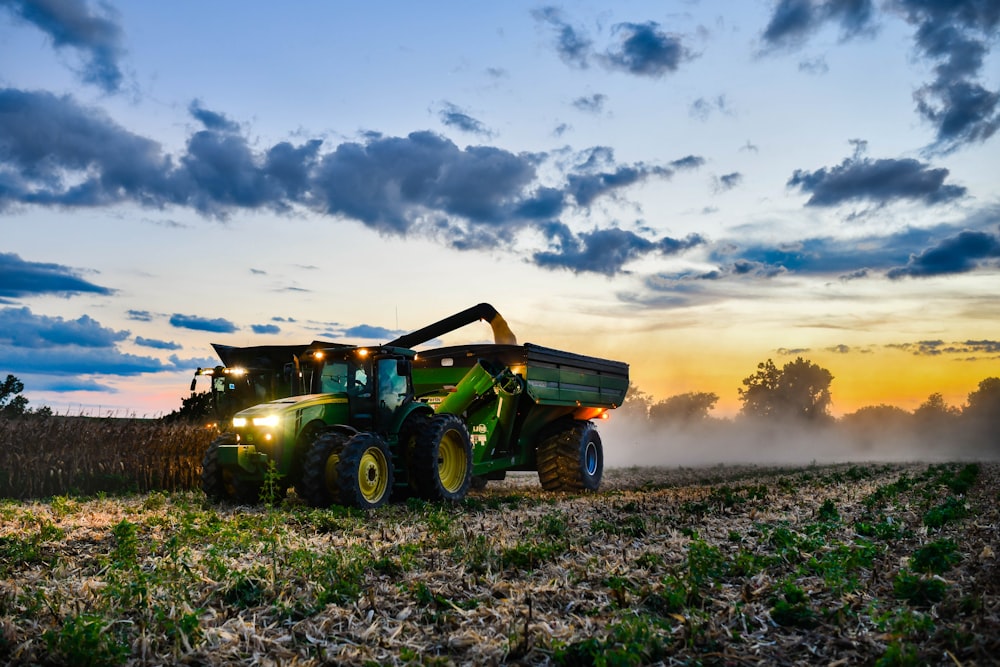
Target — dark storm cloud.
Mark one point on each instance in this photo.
(794, 20)
(217, 325)
(591, 103)
(19, 278)
(453, 116)
(880, 181)
(961, 253)
(265, 328)
(957, 35)
(604, 251)
(54, 152)
(19, 327)
(73, 24)
(139, 315)
(641, 49)
(389, 183)
(157, 344)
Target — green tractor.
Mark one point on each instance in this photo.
(384, 421)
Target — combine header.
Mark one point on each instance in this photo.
(387, 420)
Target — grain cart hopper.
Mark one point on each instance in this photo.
(251, 375)
(387, 419)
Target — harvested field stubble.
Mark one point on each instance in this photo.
(845, 564)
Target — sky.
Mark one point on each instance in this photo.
(690, 187)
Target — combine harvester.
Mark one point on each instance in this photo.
(368, 423)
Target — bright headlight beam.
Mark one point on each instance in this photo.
(239, 422)
(270, 420)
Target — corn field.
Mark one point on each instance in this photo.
(47, 456)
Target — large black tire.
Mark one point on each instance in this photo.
(318, 483)
(219, 483)
(364, 472)
(441, 458)
(571, 459)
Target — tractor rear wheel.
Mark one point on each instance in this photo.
(364, 472)
(442, 458)
(219, 482)
(571, 459)
(318, 484)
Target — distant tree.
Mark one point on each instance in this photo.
(12, 404)
(982, 413)
(934, 409)
(195, 407)
(985, 400)
(683, 408)
(636, 405)
(880, 416)
(800, 389)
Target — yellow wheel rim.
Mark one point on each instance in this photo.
(452, 462)
(373, 474)
(330, 473)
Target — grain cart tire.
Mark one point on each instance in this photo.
(318, 484)
(364, 473)
(571, 459)
(442, 458)
(219, 483)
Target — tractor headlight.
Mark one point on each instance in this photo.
(239, 422)
(269, 421)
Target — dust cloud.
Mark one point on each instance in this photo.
(632, 441)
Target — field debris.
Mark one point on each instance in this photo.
(838, 564)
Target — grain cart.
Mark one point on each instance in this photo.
(251, 375)
(387, 420)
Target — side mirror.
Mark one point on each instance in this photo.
(194, 382)
(403, 367)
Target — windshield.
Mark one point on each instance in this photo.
(337, 376)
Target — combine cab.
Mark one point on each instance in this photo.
(385, 420)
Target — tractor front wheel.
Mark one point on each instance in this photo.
(364, 472)
(571, 459)
(221, 483)
(318, 484)
(442, 458)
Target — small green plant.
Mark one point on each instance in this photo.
(792, 608)
(917, 590)
(828, 512)
(633, 640)
(936, 557)
(952, 509)
(87, 640)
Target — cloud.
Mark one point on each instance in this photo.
(958, 36)
(39, 344)
(369, 331)
(19, 278)
(212, 120)
(960, 253)
(645, 50)
(934, 348)
(572, 45)
(605, 251)
(58, 153)
(839, 349)
(728, 181)
(793, 21)
(640, 49)
(265, 328)
(19, 327)
(703, 107)
(72, 24)
(452, 116)
(591, 103)
(139, 315)
(880, 181)
(218, 325)
(157, 344)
